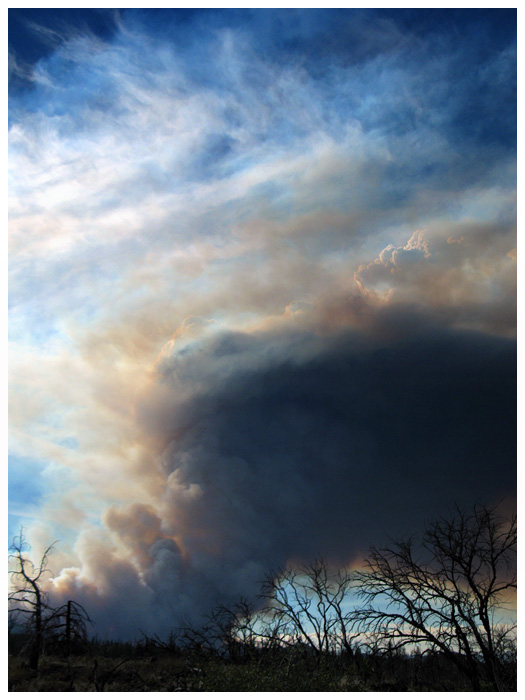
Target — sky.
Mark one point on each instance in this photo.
(262, 292)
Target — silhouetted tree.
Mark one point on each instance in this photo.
(305, 606)
(444, 592)
(68, 625)
(226, 632)
(28, 599)
(29, 604)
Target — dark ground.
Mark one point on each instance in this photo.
(117, 667)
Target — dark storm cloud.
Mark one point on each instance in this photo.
(282, 447)
(365, 437)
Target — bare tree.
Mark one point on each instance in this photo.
(306, 606)
(444, 593)
(29, 604)
(68, 624)
(28, 599)
(226, 632)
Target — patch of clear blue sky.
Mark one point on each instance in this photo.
(29, 481)
(26, 489)
(25, 477)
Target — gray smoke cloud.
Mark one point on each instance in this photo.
(278, 447)
(257, 264)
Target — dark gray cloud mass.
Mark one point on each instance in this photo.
(363, 437)
(295, 446)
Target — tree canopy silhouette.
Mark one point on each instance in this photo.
(28, 602)
(444, 592)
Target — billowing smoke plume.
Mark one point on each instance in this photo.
(257, 199)
(279, 447)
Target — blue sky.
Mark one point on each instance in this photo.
(261, 262)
